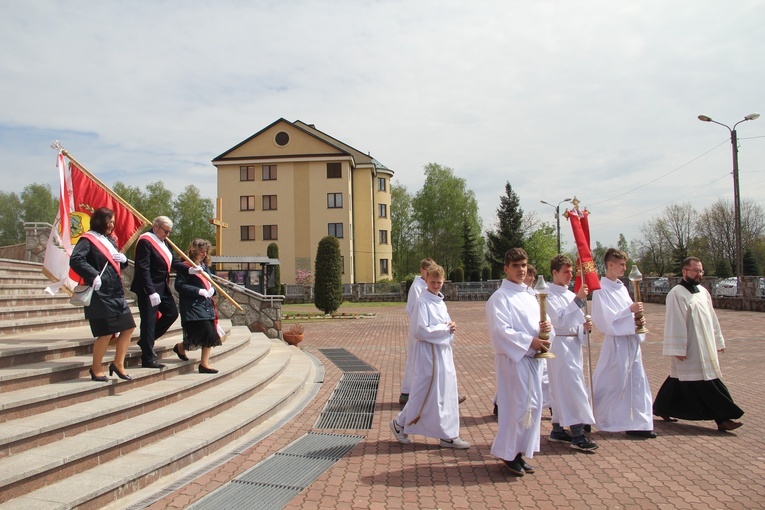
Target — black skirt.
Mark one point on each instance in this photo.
(696, 400)
(111, 325)
(200, 334)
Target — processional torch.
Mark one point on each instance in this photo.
(636, 277)
(541, 288)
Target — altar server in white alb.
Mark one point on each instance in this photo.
(571, 407)
(415, 290)
(692, 338)
(622, 397)
(512, 314)
(433, 408)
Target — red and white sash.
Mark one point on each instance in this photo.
(101, 245)
(160, 247)
(207, 286)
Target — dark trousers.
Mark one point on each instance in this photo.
(152, 327)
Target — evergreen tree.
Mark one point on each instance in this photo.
(471, 259)
(275, 282)
(328, 273)
(509, 231)
(458, 275)
(751, 268)
(486, 273)
(723, 269)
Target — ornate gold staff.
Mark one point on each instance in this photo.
(541, 288)
(636, 277)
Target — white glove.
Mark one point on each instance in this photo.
(97, 282)
(119, 258)
(211, 292)
(195, 270)
(203, 292)
(154, 299)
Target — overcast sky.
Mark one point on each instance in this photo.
(597, 99)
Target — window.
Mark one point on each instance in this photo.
(246, 173)
(334, 171)
(382, 210)
(269, 202)
(383, 266)
(336, 229)
(247, 203)
(383, 237)
(247, 233)
(381, 184)
(334, 200)
(269, 172)
(270, 232)
(282, 138)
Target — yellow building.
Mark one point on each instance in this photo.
(291, 184)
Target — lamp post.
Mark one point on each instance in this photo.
(736, 194)
(557, 215)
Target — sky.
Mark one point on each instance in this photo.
(594, 99)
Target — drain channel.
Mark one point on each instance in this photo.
(274, 482)
(352, 404)
(346, 361)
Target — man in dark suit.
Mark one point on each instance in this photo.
(153, 262)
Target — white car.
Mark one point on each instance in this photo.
(727, 287)
(661, 285)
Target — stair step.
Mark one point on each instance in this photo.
(120, 452)
(34, 299)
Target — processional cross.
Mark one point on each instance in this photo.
(219, 226)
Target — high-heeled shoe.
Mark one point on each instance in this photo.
(101, 378)
(182, 357)
(207, 370)
(124, 377)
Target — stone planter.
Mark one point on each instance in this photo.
(292, 338)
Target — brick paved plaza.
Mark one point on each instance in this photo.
(690, 465)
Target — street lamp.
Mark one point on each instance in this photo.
(736, 194)
(557, 215)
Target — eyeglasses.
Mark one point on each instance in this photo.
(167, 232)
(697, 271)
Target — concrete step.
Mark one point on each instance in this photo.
(33, 299)
(23, 433)
(31, 311)
(98, 466)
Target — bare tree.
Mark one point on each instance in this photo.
(715, 227)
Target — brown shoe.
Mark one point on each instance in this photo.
(728, 425)
(461, 398)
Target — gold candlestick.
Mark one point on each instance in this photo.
(541, 289)
(636, 277)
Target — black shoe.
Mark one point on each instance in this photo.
(583, 443)
(588, 428)
(403, 398)
(645, 434)
(100, 378)
(527, 467)
(560, 437)
(152, 364)
(515, 467)
(205, 370)
(124, 377)
(728, 425)
(668, 418)
(182, 357)
(496, 410)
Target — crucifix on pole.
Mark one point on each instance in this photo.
(219, 226)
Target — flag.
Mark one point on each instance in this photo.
(581, 227)
(81, 194)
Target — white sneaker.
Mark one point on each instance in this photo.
(455, 443)
(399, 433)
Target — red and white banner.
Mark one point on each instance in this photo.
(581, 227)
(81, 195)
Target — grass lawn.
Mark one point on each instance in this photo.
(308, 311)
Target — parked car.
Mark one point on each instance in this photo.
(727, 287)
(661, 285)
(761, 288)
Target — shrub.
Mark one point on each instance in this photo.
(328, 268)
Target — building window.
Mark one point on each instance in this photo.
(246, 173)
(383, 266)
(334, 171)
(383, 237)
(269, 202)
(382, 210)
(269, 172)
(247, 233)
(334, 200)
(381, 184)
(282, 138)
(336, 229)
(270, 232)
(247, 203)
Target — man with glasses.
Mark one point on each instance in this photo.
(692, 339)
(151, 283)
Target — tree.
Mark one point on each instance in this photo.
(542, 246)
(38, 203)
(328, 271)
(458, 275)
(751, 268)
(191, 217)
(667, 239)
(11, 222)
(714, 227)
(723, 269)
(597, 256)
(471, 258)
(443, 202)
(402, 237)
(508, 232)
(275, 282)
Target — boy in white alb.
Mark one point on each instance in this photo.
(417, 287)
(432, 409)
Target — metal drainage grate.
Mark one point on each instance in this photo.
(275, 481)
(346, 361)
(352, 404)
